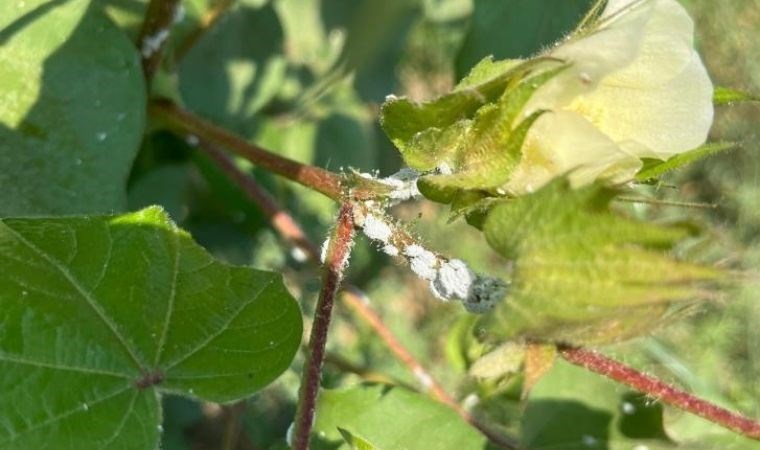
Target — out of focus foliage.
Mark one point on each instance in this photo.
(306, 78)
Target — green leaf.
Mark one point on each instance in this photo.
(583, 274)
(73, 109)
(476, 136)
(654, 168)
(727, 96)
(101, 315)
(510, 29)
(355, 442)
(391, 418)
(601, 416)
(239, 75)
(428, 134)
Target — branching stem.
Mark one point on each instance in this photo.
(596, 362)
(593, 361)
(284, 224)
(338, 251)
(185, 123)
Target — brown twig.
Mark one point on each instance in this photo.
(185, 123)
(338, 251)
(233, 427)
(159, 17)
(598, 363)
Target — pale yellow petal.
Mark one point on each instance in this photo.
(666, 48)
(592, 58)
(666, 120)
(566, 143)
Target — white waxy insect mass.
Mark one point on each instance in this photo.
(376, 229)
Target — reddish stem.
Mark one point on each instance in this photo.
(338, 251)
(185, 123)
(596, 362)
(357, 301)
(159, 18)
(289, 229)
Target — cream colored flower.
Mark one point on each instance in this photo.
(635, 89)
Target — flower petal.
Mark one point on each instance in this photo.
(564, 142)
(593, 57)
(668, 119)
(666, 49)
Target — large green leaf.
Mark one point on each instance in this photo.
(100, 315)
(236, 69)
(584, 274)
(391, 418)
(73, 109)
(517, 28)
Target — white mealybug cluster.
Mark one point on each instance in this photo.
(404, 185)
(444, 169)
(376, 229)
(453, 280)
(390, 250)
(423, 262)
(449, 279)
(179, 14)
(485, 293)
(323, 250)
(151, 44)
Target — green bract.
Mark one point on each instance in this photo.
(473, 136)
(583, 274)
(100, 315)
(72, 109)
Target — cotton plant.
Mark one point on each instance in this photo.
(532, 152)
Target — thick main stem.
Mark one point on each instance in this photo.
(185, 123)
(159, 18)
(338, 251)
(596, 362)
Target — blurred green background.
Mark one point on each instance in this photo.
(305, 78)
